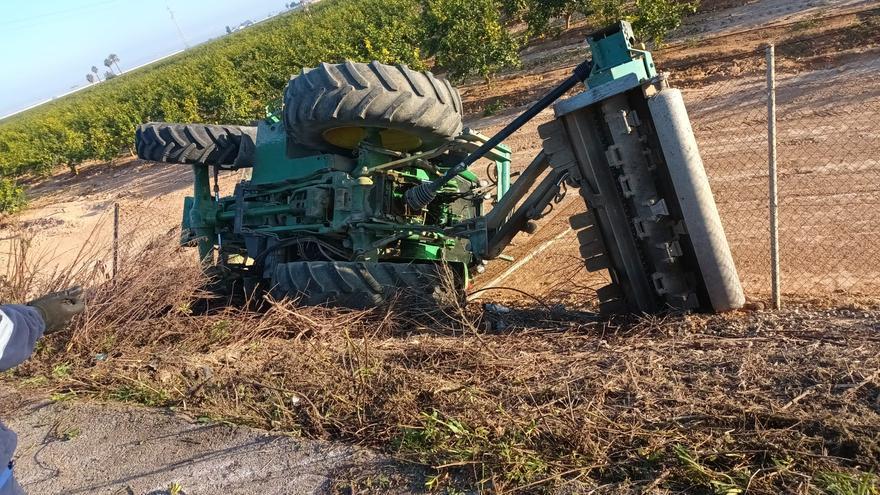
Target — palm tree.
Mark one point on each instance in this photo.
(114, 59)
(95, 71)
(91, 78)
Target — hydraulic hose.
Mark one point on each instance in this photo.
(421, 196)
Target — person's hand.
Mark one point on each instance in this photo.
(58, 308)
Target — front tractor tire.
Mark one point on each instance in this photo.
(226, 146)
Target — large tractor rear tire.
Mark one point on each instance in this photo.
(360, 285)
(227, 146)
(333, 106)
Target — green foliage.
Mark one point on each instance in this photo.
(653, 19)
(442, 439)
(514, 10)
(226, 81)
(12, 196)
(701, 474)
(606, 12)
(141, 393)
(469, 37)
(494, 107)
(62, 396)
(61, 371)
(541, 12)
(70, 434)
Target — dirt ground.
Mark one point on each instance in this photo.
(828, 84)
(781, 402)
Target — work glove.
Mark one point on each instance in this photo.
(58, 308)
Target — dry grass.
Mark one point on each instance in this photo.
(749, 402)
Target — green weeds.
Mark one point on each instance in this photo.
(841, 483)
(494, 107)
(61, 371)
(141, 393)
(451, 443)
(631, 404)
(62, 396)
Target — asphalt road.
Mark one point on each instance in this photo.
(75, 447)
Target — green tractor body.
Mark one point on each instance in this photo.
(335, 207)
(360, 187)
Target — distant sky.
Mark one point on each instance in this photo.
(49, 45)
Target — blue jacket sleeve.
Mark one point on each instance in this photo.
(20, 328)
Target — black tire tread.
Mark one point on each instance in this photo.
(196, 144)
(356, 285)
(370, 95)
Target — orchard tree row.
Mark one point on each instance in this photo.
(231, 80)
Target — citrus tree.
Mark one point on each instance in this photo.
(468, 37)
(539, 13)
(231, 80)
(654, 19)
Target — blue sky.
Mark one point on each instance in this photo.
(50, 45)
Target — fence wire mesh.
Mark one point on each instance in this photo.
(827, 106)
(727, 104)
(828, 175)
(827, 159)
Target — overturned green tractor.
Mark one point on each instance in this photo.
(360, 187)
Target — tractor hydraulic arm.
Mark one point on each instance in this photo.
(421, 196)
(533, 208)
(513, 213)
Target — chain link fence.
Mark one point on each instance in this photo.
(727, 104)
(828, 174)
(827, 92)
(137, 226)
(829, 171)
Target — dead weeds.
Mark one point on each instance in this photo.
(755, 402)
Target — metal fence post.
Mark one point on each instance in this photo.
(771, 159)
(115, 238)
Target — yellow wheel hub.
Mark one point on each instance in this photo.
(392, 139)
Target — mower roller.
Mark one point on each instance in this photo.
(360, 187)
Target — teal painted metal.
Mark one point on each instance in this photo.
(614, 56)
(501, 155)
(351, 202)
(272, 164)
(349, 205)
(473, 139)
(505, 176)
(201, 212)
